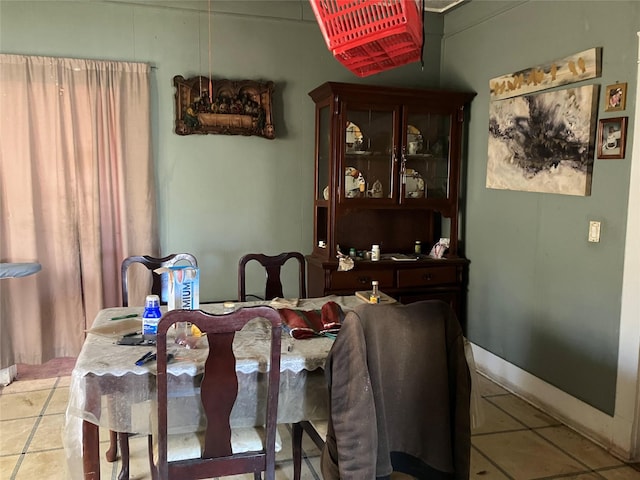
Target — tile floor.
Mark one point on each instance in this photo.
(516, 441)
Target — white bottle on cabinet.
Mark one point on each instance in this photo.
(375, 253)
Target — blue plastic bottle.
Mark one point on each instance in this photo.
(151, 317)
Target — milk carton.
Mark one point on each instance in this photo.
(183, 287)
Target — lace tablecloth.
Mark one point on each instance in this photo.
(109, 390)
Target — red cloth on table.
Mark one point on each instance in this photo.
(310, 323)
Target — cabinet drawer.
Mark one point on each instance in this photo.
(416, 277)
(359, 280)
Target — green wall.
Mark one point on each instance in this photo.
(219, 196)
(541, 296)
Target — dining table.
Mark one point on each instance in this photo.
(108, 389)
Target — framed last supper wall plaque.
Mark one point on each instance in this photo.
(229, 107)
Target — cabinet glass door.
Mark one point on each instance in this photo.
(368, 154)
(323, 147)
(426, 156)
(323, 176)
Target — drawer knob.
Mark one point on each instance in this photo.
(364, 280)
(427, 276)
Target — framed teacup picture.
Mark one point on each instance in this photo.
(612, 136)
(615, 97)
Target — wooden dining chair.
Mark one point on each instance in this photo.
(399, 394)
(317, 431)
(151, 263)
(218, 454)
(273, 265)
(273, 288)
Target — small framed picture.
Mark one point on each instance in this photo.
(616, 97)
(612, 136)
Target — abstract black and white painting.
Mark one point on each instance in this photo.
(543, 142)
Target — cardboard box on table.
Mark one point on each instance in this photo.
(183, 287)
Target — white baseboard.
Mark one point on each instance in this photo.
(585, 419)
(7, 375)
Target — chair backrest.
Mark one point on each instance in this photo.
(219, 390)
(403, 366)
(152, 263)
(273, 265)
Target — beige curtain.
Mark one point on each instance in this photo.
(77, 195)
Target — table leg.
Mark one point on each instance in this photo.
(90, 451)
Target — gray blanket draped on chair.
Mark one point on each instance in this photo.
(399, 389)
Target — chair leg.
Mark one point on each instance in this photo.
(152, 466)
(297, 430)
(313, 434)
(296, 440)
(112, 452)
(123, 440)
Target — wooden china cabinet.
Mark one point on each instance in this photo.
(387, 172)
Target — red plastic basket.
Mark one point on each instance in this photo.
(370, 36)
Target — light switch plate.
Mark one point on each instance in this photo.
(594, 231)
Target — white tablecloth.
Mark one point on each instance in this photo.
(109, 390)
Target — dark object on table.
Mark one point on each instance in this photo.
(147, 357)
(131, 340)
(122, 317)
(151, 357)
